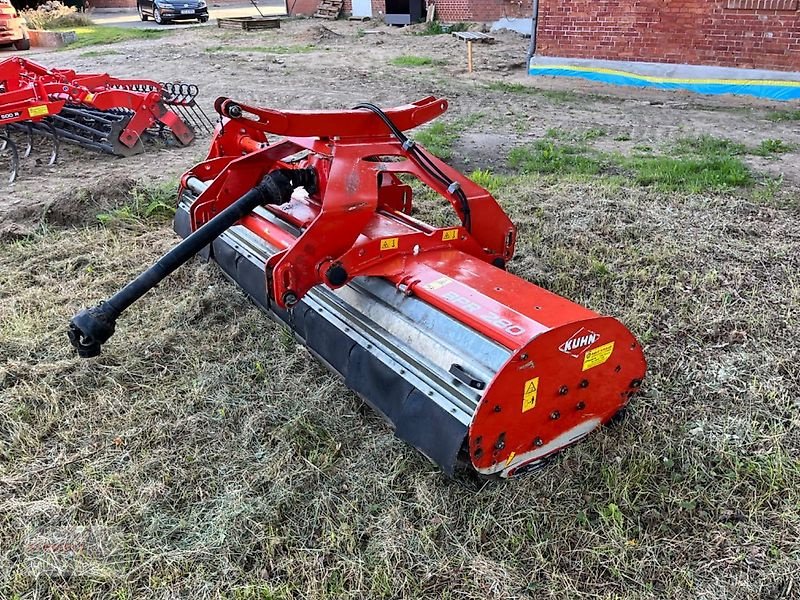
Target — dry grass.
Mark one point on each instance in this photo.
(234, 466)
(229, 464)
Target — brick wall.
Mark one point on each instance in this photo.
(763, 34)
(735, 33)
(449, 11)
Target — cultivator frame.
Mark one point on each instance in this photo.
(470, 364)
(95, 111)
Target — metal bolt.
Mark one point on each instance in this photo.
(562, 391)
(496, 408)
(580, 405)
(537, 442)
(523, 356)
(636, 383)
(555, 415)
(585, 383)
(290, 299)
(234, 111)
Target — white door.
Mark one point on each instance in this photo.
(362, 8)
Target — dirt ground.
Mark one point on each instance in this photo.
(220, 460)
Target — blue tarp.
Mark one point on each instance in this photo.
(760, 88)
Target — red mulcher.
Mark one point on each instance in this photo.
(470, 364)
(96, 111)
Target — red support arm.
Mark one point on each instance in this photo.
(358, 220)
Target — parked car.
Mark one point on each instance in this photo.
(164, 11)
(12, 28)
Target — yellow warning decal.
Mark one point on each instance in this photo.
(598, 356)
(89, 97)
(529, 394)
(38, 111)
(449, 234)
(389, 244)
(510, 458)
(438, 283)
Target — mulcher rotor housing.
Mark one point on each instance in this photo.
(470, 364)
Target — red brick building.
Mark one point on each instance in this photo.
(762, 34)
(449, 11)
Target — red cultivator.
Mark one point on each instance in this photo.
(96, 111)
(473, 366)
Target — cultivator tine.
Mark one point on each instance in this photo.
(8, 153)
(53, 135)
(182, 98)
(28, 141)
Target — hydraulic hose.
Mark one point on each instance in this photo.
(424, 162)
(91, 328)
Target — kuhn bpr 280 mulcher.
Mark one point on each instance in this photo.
(473, 366)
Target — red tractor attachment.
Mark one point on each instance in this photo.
(470, 364)
(95, 111)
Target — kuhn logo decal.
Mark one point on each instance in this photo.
(580, 342)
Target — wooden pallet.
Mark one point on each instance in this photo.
(249, 23)
(474, 36)
(329, 9)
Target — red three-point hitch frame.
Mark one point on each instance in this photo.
(358, 221)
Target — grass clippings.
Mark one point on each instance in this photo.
(228, 463)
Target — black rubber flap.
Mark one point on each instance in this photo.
(182, 225)
(431, 429)
(248, 273)
(325, 339)
(417, 419)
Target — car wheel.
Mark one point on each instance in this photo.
(142, 16)
(157, 16)
(203, 19)
(23, 44)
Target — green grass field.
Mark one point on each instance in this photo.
(99, 35)
(213, 444)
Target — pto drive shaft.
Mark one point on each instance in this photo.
(91, 327)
